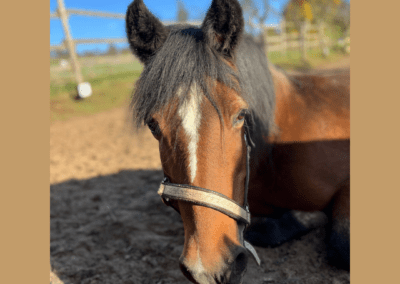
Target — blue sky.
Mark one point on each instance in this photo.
(95, 27)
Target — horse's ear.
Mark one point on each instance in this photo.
(223, 25)
(146, 34)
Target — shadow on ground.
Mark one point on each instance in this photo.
(115, 229)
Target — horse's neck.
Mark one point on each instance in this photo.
(310, 107)
(283, 85)
(259, 134)
(262, 158)
(284, 90)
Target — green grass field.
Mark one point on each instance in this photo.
(293, 60)
(113, 78)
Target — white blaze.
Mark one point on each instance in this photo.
(191, 116)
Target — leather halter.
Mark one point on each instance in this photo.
(212, 199)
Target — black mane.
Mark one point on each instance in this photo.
(186, 58)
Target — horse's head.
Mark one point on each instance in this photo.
(189, 96)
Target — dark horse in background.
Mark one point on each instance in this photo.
(202, 90)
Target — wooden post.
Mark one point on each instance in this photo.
(264, 34)
(321, 35)
(303, 39)
(284, 43)
(70, 44)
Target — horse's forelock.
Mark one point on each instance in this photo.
(184, 60)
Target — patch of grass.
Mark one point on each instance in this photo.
(293, 59)
(62, 81)
(108, 92)
(69, 85)
(112, 80)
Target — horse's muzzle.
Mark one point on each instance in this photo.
(232, 272)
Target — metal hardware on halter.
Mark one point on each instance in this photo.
(212, 199)
(253, 252)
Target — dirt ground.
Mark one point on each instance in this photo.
(108, 225)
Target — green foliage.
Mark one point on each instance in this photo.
(333, 13)
(342, 18)
(334, 32)
(272, 32)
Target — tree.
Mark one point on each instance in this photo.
(182, 15)
(316, 11)
(112, 50)
(342, 17)
(255, 13)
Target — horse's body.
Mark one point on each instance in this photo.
(201, 91)
(308, 167)
(310, 149)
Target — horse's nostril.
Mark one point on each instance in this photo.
(185, 271)
(238, 266)
(240, 263)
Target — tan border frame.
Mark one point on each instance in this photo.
(374, 148)
(24, 119)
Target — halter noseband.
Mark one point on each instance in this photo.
(212, 199)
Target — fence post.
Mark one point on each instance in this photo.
(84, 89)
(265, 38)
(303, 39)
(284, 43)
(322, 43)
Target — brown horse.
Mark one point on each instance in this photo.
(235, 131)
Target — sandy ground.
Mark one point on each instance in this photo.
(108, 225)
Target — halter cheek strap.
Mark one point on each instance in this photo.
(212, 199)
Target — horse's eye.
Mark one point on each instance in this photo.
(241, 116)
(154, 128)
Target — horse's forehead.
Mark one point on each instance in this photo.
(194, 104)
(190, 114)
(189, 111)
